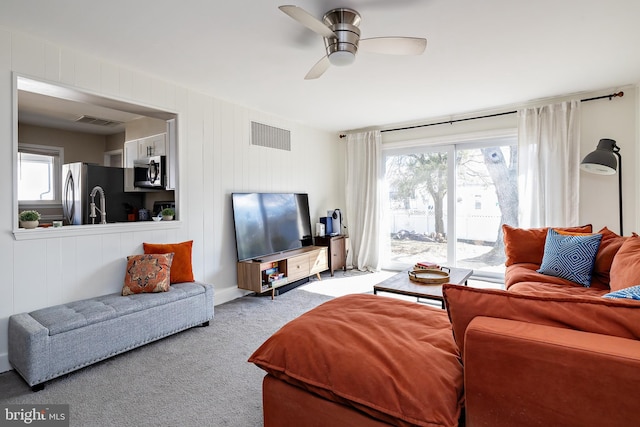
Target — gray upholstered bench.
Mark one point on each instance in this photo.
(53, 341)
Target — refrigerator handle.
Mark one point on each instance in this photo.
(68, 198)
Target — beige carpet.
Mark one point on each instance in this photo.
(199, 377)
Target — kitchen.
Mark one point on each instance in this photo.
(125, 153)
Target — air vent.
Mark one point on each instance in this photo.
(96, 121)
(269, 136)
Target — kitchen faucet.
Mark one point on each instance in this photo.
(103, 207)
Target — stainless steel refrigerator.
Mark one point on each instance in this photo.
(78, 179)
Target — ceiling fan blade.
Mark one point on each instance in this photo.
(318, 69)
(308, 20)
(393, 45)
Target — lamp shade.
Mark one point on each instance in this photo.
(603, 160)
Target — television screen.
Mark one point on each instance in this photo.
(269, 223)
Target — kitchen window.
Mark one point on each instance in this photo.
(39, 169)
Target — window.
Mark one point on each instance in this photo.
(447, 203)
(39, 172)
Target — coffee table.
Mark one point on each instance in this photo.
(401, 284)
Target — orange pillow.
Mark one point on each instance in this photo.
(527, 244)
(181, 269)
(609, 247)
(594, 314)
(625, 268)
(147, 273)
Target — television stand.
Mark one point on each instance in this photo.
(297, 264)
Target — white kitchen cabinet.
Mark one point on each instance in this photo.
(152, 146)
(130, 153)
(144, 147)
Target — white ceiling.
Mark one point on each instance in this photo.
(480, 54)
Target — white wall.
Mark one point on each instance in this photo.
(215, 159)
(616, 119)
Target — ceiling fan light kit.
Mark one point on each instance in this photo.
(342, 48)
(342, 58)
(339, 28)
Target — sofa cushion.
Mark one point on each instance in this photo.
(616, 317)
(632, 292)
(570, 256)
(527, 272)
(625, 268)
(609, 247)
(147, 273)
(559, 290)
(181, 268)
(519, 273)
(366, 351)
(527, 244)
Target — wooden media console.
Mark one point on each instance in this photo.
(284, 268)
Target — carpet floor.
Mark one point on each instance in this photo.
(199, 377)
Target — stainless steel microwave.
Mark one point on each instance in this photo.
(150, 172)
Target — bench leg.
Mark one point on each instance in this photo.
(37, 387)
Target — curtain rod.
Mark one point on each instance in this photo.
(610, 96)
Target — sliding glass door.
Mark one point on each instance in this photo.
(417, 207)
(446, 204)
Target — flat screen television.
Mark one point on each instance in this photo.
(270, 223)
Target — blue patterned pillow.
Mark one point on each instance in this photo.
(630, 293)
(570, 257)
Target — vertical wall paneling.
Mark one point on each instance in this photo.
(195, 213)
(181, 104)
(67, 67)
(210, 240)
(68, 270)
(89, 267)
(52, 63)
(221, 209)
(125, 83)
(6, 192)
(214, 159)
(88, 75)
(141, 87)
(30, 278)
(112, 265)
(162, 94)
(109, 79)
(52, 266)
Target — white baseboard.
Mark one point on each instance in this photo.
(4, 363)
(228, 294)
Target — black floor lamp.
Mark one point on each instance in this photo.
(603, 161)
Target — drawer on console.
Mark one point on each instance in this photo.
(319, 261)
(298, 267)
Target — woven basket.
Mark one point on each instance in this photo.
(429, 276)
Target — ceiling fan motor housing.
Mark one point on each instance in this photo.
(342, 49)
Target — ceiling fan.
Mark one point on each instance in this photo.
(339, 27)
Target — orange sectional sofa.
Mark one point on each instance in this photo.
(546, 351)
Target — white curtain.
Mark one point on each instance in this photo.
(549, 164)
(363, 199)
